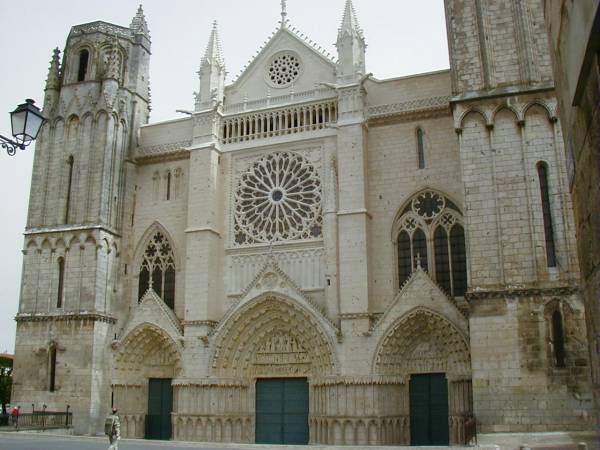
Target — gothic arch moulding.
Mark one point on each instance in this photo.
(147, 352)
(423, 341)
(145, 239)
(272, 336)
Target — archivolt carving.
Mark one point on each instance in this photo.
(423, 341)
(272, 336)
(148, 349)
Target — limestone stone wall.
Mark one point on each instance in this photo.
(394, 177)
(81, 383)
(496, 44)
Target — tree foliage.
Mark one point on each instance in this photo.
(6, 367)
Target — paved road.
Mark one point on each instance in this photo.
(21, 441)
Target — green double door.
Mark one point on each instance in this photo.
(160, 406)
(429, 409)
(282, 411)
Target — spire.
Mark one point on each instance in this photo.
(351, 45)
(213, 54)
(139, 24)
(349, 21)
(283, 13)
(53, 81)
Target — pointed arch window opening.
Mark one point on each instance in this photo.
(169, 185)
(69, 188)
(431, 236)
(61, 282)
(420, 149)
(558, 340)
(52, 368)
(157, 271)
(542, 170)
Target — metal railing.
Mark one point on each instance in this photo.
(41, 420)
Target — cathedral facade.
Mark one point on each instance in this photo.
(312, 254)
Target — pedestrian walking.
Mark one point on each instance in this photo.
(14, 414)
(112, 428)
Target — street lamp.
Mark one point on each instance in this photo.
(26, 122)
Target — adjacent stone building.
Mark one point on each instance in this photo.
(574, 34)
(312, 254)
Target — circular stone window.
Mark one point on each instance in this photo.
(278, 198)
(284, 69)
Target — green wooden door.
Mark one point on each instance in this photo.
(429, 410)
(282, 411)
(160, 406)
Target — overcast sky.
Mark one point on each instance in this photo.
(403, 36)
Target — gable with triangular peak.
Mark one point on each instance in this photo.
(152, 309)
(421, 291)
(256, 80)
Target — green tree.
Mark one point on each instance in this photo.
(6, 366)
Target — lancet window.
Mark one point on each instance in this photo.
(542, 170)
(157, 271)
(430, 234)
(84, 57)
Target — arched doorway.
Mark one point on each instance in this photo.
(433, 356)
(277, 345)
(146, 362)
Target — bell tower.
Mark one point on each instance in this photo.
(83, 181)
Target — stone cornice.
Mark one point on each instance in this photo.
(170, 150)
(67, 316)
(501, 92)
(428, 106)
(521, 292)
(70, 229)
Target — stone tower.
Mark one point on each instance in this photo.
(523, 275)
(82, 185)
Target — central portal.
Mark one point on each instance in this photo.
(429, 409)
(282, 411)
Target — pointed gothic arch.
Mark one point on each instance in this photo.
(156, 264)
(147, 351)
(273, 336)
(423, 341)
(429, 231)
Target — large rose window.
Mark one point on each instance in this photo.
(278, 199)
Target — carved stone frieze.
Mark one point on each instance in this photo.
(410, 107)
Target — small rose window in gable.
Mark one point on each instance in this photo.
(284, 69)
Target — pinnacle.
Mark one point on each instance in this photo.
(349, 20)
(213, 52)
(138, 23)
(53, 81)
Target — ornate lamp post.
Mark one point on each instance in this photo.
(26, 122)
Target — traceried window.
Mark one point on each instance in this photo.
(278, 198)
(284, 69)
(542, 170)
(429, 233)
(157, 271)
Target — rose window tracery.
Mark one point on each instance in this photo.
(428, 204)
(284, 69)
(278, 199)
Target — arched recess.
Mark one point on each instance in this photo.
(146, 352)
(273, 336)
(424, 342)
(166, 283)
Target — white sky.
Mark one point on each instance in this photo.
(403, 36)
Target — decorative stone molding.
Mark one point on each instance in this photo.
(171, 148)
(304, 266)
(68, 316)
(103, 27)
(558, 291)
(440, 103)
